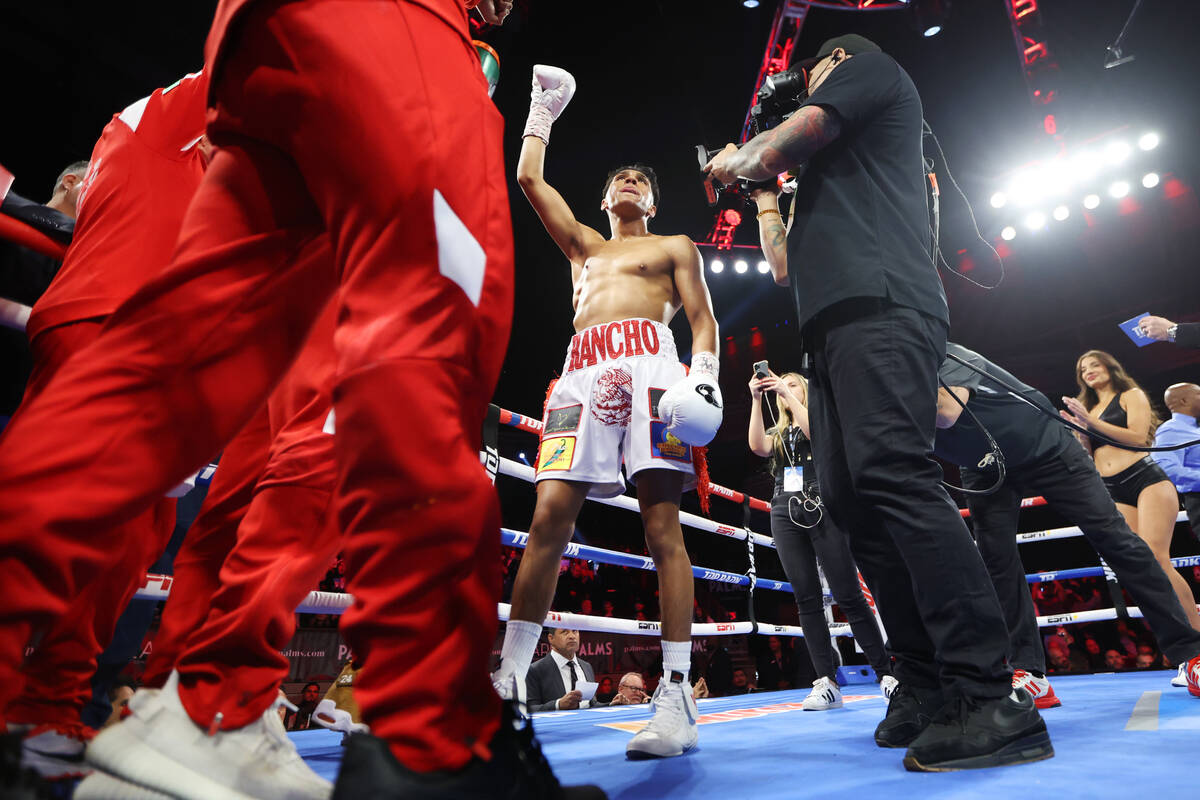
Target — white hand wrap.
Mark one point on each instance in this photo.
(707, 363)
(553, 88)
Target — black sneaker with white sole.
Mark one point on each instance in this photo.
(973, 733)
(516, 771)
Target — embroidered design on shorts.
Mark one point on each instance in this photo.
(664, 444)
(612, 397)
(557, 454)
(563, 420)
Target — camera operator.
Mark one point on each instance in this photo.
(873, 315)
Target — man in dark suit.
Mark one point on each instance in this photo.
(550, 682)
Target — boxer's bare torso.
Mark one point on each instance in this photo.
(633, 273)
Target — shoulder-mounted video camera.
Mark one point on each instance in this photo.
(780, 97)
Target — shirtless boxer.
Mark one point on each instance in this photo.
(605, 408)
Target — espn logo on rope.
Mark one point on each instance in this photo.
(1058, 618)
(623, 339)
(556, 454)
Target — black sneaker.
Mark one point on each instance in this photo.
(909, 710)
(517, 771)
(973, 732)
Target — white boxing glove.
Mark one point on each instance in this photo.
(692, 408)
(553, 88)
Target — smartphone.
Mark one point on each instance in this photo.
(760, 369)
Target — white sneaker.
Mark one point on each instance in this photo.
(825, 695)
(672, 730)
(159, 747)
(99, 786)
(1180, 678)
(510, 687)
(888, 686)
(328, 715)
(56, 752)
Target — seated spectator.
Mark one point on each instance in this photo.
(606, 609)
(301, 719)
(1147, 661)
(741, 684)
(631, 690)
(1113, 659)
(1095, 655)
(605, 693)
(548, 679)
(119, 694)
(776, 667)
(585, 606)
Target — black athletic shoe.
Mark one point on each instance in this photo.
(517, 771)
(972, 733)
(909, 711)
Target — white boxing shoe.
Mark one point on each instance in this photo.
(328, 715)
(159, 747)
(99, 786)
(825, 695)
(1180, 678)
(888, 686)
(672, 729)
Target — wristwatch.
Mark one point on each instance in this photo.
(1171, 331)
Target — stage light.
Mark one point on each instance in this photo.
(733, 217)
(999, 199)
(1150, 180)
(929, 16)
(740, 267)
(1025, 188)
(1091, 201)
(1009, 233)
(1119, 189)
(1061, 213)
(716, 266)
(1035, 220)
(1116, 152)
(750, 3)
(764, 267)
(1148, 141)
(521, 455)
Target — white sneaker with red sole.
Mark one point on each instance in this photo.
(1040, 688)
(1193, 676)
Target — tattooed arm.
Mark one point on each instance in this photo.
(779, 149)
(771, 233)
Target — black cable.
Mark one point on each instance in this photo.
(928, 131)
(997, 453)
(1054, 415)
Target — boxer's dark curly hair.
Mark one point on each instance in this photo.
(642, 168)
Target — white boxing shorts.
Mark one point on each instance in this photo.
(604, 409)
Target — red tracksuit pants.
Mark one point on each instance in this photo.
(256, 551)
(58, 673)
(371, 122)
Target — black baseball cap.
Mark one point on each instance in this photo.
(852, 43)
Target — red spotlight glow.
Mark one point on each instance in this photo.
(1174, 188)
(733, 217)
(1049, 124)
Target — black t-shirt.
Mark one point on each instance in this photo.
(862, 218)
(1023, 434)
(797, 451)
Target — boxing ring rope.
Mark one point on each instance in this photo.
(157, 587)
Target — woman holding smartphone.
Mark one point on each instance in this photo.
(804, 534)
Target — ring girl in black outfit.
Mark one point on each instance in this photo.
(1110, 402)
(804, 534)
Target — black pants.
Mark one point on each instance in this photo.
(872, 404)
(799, 550)
(1072, 487)
(1191, 502)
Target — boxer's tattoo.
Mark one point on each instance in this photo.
(792, 143)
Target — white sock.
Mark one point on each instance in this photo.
(677, 657)
(520, 640)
